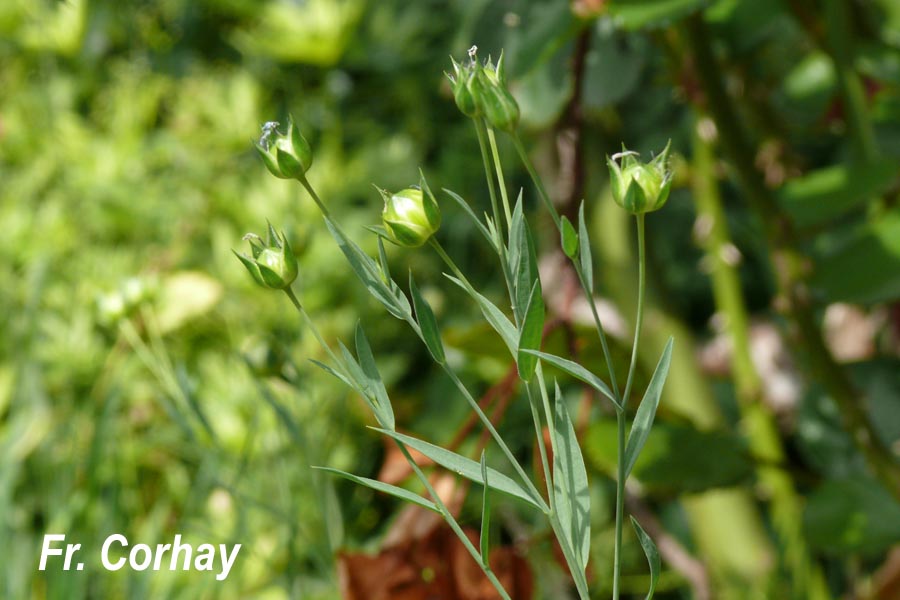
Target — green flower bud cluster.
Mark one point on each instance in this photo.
(410, 216)
(481, 91)
(640, 187)
(272, 264)
(287, 156)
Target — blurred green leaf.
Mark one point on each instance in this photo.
(865, 268)
(638, 14)
(827, 194)
(675, 458)
(852, 515)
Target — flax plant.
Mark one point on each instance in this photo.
(410, 219)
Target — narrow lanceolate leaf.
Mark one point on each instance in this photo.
(568, 237)
(468, 210)
(393, 490)
(499, 321)
(485, 514)
(431, 335)
(570, 484)
(367, 271)
(335, 374)
(652, 555)
(584, 251)
(643, 418)
(531, 334)
(468, 468)
(526, 272)
(516, 233)
(576, 371)
(371, 378)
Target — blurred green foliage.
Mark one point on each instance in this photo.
(148, 387)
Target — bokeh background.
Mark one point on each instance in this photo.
(148, 387)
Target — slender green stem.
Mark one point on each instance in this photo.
(620, 413)
(500, 180)
(542, 191)
(620, 500)
(642, 276)
(500, 246)
(480, 130)
(312, 327)
(601, 333)
(315, 197)
(454, 525)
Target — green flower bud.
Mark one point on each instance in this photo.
(461, 80)
(638, 187)
(272, 264)
(287, 156)
(489, 90)
(410, 216)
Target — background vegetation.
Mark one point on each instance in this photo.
(148, 387)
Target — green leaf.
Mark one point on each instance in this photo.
(522, 259)
(651, 553)
(393, 490)
(499, 321)
(468, 210)
(853, 515)
(676, 459)
(516, 233)
(646, 412)
(468, 468)
(578, 372)
(367, 271)
(526, 272)
(568, 237)
(570, 484)
(864, 267)
(826, 194)
(584, 252)
(639, 14)
(485, 515)
(431, 334)
(532, 333)
(373, 378)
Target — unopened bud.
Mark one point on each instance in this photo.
(640, 187)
